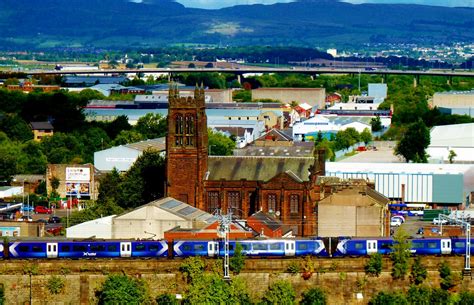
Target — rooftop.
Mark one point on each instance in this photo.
(460, 135)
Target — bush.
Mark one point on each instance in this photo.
(293, 267)
(440, 297)
(122, 289)
(388, 298)
(166, 299)
(465, 297)
(280, 292)
(192, 267)
(314, 296)
(447, 281)
(374, 265)
(400, 254)
(418, 272)
(237, 261)
(55, 284)
(419, 295)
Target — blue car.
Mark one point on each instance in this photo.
(363, 247)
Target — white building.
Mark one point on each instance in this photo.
(458, 138)
(97, 228)
(122, 157)
(246, 131)
(438, 184)
(10, 191)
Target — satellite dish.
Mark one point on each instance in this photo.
(277, 213)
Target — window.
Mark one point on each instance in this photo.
(65, 248)
(79, 248)
(179, 130)
(302, 246)
(212, 201)
(199, 247)
(416, 245)
(276, 246)
(272, 200)
(245, 247)
(432, 245)
(294, 202)
(459, 244)
(153, 248)
(259, 246)
(36, 249)
(23, 248)
(112, 248)
(359, 246)
(233, 200)
(97, 248)
(140, 247)
(189, 126)
(187, 248)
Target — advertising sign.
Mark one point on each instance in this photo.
(9, 231)
(77, 188)
(78, 174)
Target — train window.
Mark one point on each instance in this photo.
(359, 246)
(245, 247)
(36, 249)
(275, 246)
(23, 248)
(65, 248)
(385, 245)
(459, 244)
(199, 247)
(417, 245)
(140, 247)
(153, 248)
(112, 248)
(432, 245)
(79, 248)
(302, 246)
(187, 248)
(260, 246)
(97, 248)
(231, 247)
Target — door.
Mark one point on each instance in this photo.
(371, 247)
(445, 246)
(51, 250)
(212, 249)
(290, 248)
(125, 249)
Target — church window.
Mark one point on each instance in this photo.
(294, 202)
(272, 199)
(179, 130)
(233, 202)
(189, 126)
(212, 201)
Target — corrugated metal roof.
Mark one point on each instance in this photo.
(453, 135)
(158, 144)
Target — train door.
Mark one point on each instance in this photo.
(51, 250)
(212, 249)
(371, 246)
(446, 246)
(125, 249)
(290, 248)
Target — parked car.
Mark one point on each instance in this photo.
(437, 221)
(395, 222)
(42, 210)
(399, 217)
(27, 208)
(54, 219)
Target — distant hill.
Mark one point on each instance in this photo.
(120, 23)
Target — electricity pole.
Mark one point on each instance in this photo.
(223, 230)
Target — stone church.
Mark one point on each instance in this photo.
(286, 187)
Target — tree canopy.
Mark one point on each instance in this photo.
(414, 142)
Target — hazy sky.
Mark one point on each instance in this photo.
(214, 4)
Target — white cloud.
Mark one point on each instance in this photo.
(451, 3)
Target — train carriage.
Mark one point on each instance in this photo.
(431, 246)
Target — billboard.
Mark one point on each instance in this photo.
(9, 231)
(78, 174)
(77, 188)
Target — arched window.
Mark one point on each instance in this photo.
(189, 126)
(294, 203)
(272, 203)
(179, 129)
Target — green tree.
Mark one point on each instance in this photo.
(418, 272)
(376, 124)
(280, 292)
(465, 297)
(374, 265)
(8, 164)
(328, 148)
(152, 125)
(447, 281)
(388, 298)
(237, 261)
(414, 142)
(366, 136)
(15, 127)
(32, 159)
(116, 126)
(122, 289)
(219, 144)
(451, 156)
(419, 295)
(192, 268)
(144, 181)
(314, 296)
(127, 137)
(440, 297)
(400, 254)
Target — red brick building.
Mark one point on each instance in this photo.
(285, 186)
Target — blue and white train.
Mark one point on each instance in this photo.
(343, 247)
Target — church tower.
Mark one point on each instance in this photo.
(186, 146)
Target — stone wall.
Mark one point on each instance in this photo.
(344, 280)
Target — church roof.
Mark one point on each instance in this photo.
(257, 168)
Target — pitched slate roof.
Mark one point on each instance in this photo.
(41, 125)
(257, 168)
